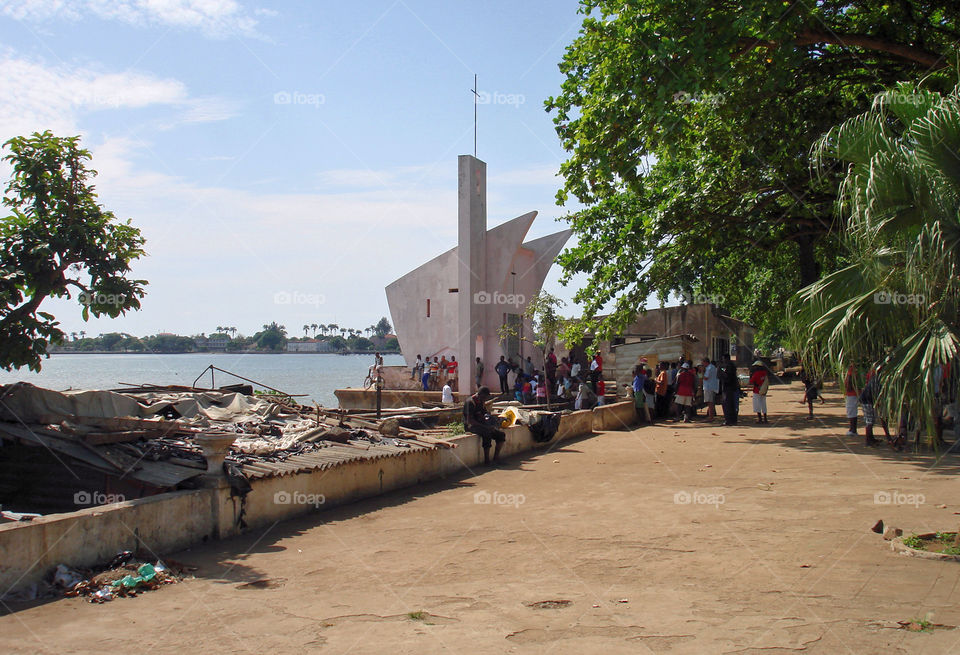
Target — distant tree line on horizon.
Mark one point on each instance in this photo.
(272, 338)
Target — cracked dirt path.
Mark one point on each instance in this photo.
(674, 539)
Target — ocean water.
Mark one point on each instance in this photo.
(313, 374)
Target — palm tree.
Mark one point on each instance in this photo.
(306, 329)
(83, 334)
(73, 335)
(313, 326)
(898, 302)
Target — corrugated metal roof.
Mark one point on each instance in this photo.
(329, 456)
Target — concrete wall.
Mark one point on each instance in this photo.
(161, 523)
(389, 398)
(617, 416)
(173, 521)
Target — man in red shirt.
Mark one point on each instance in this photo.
(686, 387)
(759, 381)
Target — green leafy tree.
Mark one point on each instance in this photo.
(56, 240)
(273, 337)
(688, 126)
(543, 314)
(382, 327)
(898, 301)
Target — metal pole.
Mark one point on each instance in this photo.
(475, 96)
(379, 387)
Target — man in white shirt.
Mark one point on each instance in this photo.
(447, 397)
(711, 387)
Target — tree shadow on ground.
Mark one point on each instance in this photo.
(827, 433)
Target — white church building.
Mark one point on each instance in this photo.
(456, 303)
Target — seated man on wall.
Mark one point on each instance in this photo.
(476, 419)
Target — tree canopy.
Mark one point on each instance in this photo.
(688, 127)
(57, 240)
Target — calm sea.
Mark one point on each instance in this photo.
(296, 373)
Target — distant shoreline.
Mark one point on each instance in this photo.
(215, 352)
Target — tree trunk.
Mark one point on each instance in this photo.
(807, 260)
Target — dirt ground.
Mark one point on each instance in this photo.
(692, 538)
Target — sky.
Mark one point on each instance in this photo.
(287, 160)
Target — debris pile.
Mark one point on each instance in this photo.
(125, 575)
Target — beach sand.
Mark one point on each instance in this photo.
(678, 538)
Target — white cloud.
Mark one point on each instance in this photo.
(38, 97)
(215, 18)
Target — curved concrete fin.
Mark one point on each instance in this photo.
(545, 251)
(502, 242)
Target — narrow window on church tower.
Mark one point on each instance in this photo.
(428, 308)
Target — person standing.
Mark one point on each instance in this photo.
(574, 367)
(478, 373)
(586, 398)
(686, 383)
(502, 368)
(661, 390)
(731, 391)
(434, 373)
(851, 397)
(477, 420)
(417, 369)
(596, 370)
(452, 367)
(760, 383)
(541, 391)
(711, 387)
(550, 369)
(442, 371)
(810, 391)
(639, 402)
(867, 399)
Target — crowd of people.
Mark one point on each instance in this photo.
(563, 379)
(437, 374)
(680, 389)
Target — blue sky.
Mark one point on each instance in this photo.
(287, 160)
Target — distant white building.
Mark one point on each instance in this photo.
(309, 346)
(211, 343)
